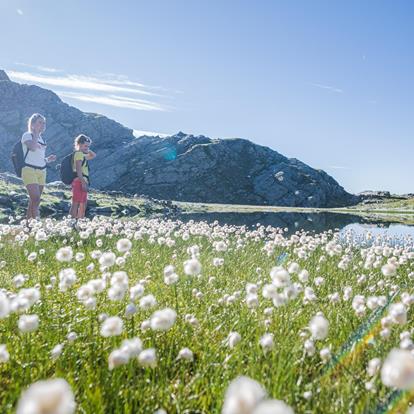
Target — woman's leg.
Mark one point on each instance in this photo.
(41, 187)
(34, 200)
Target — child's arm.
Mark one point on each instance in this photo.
(90, 155)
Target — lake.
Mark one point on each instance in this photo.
(358, 226)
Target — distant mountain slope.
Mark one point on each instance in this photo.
(181, 167)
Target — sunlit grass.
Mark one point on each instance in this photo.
(199, 385)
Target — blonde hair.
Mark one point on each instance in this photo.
(33, 119)
(82, 139)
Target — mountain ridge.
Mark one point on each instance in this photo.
(182, 166)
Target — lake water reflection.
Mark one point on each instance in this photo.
(317, 222)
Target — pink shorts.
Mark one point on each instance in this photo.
(78, 195)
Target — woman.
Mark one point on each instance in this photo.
(34, 170)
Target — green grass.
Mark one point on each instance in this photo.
(198, 386)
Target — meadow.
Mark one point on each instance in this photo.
(160, 316)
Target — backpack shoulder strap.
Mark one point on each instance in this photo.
(43, 141)
(26, 153)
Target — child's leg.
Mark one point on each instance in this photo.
(74, 209)
(82, 210)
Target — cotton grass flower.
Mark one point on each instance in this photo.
(112, 326)
(309, 347)
(325, 354)
(273, 407)
(4, 354)
(170, 277)
(52, 396)
(280, 276)
(116, 293)
(117, 358)
(67, 278)
(266, 342)
(132, 346)
(269, 291)
(398, 313)
(28, 323)
(307, 395)
(64, 254)
(72, 336)
(319, 327)
(163, 320)
(19, 280)
(233, 339)
(135, 292)
(123, 245)
(389, 269)
(107, 259)
(242, 396)
(56, 351)
(398, 369)
(148, 358)
(130, 310)
(147, 302)
(374, 366)
(186, 354)
(4, 305)
(192, 267)
(252, 301)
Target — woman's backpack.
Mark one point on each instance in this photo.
(18, 157)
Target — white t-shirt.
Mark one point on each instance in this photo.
(37, 157)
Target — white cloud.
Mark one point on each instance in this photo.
(77, 82)
(19, 11)
(327, 87)
(104, 89)
(46, 69)
(139, 133)
(113, 100)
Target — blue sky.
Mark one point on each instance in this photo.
(328, 82)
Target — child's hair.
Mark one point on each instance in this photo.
(33, 119)
(82, 139)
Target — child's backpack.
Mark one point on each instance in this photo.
(18, 157)
(67, 175)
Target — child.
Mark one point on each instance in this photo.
(80, 167)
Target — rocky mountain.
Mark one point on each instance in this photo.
(179, 167)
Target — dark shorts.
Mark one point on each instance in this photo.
(78, 195)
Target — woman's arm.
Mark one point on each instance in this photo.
(90, 155)
(32, 144)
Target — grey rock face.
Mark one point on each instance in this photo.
(3, 76)
(179, 167)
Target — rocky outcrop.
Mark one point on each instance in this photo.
(179, 167)
(235, 171)
(377, 197)
(56, 202)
